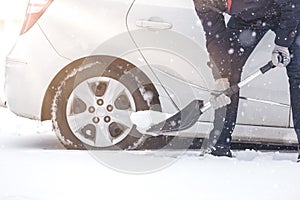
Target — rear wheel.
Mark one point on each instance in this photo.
(93, 103)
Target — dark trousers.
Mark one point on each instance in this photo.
(243, 43)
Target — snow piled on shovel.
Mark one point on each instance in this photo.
(145, 119)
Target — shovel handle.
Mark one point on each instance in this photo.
(196, 108)
(267, 67)
(236, 88)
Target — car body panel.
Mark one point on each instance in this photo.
(77, 28)
(25, 96)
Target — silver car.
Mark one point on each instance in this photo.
(88, 65)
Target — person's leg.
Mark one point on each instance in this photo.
(243, 43)
(293, 71)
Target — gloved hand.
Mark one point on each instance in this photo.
(222, 100)
(281, 56)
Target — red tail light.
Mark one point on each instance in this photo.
(35, 10)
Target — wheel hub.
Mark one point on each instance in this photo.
(102, 111)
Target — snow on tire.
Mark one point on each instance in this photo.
(92, 105)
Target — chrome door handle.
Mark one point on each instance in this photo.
(153, 25)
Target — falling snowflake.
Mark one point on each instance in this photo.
(230, 51)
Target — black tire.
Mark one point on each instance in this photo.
(77, 116)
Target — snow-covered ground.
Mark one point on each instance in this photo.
(33, 165)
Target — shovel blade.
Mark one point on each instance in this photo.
(182, 120)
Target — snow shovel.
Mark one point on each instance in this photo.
(190, 114)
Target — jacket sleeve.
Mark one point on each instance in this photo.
(217, 41)
(289, 21)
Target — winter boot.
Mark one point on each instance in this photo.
(221, 151)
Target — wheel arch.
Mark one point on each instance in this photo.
(52, 88)
(56, 81)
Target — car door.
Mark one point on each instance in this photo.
(167, 34)
(171, 39)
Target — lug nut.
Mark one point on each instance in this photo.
(96, 120)
(107, 119)
(92, 109)
(100, 102)
(110, 108)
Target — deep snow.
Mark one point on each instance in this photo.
(33, 165)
